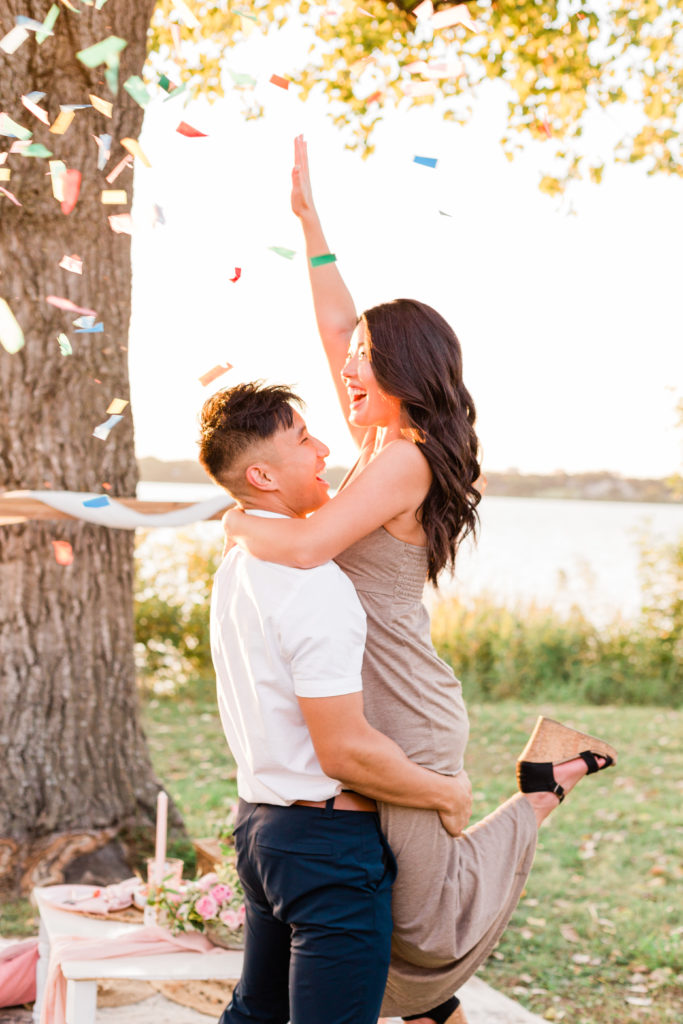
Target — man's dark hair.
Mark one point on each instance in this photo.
(235, 419)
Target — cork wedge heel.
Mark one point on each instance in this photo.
(552, 743)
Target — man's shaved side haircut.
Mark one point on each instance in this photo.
(235, 420)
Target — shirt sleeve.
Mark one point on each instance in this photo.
(322, 634)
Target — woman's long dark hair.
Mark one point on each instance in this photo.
(416, 357)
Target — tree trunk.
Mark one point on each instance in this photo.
(74, 766)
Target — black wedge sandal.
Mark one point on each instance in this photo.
(552, 743)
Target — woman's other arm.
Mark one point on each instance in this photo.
(395, 482)
(335, 311)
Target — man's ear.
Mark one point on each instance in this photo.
(260, 477)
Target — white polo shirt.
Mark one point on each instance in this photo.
(279, 633)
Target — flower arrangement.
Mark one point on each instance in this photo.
(213, 904)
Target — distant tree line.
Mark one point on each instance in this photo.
(601, 486)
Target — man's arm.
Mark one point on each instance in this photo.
(367, 761)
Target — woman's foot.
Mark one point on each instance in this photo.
(566, 775)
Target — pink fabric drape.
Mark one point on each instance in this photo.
(18, 973)
(147, 941)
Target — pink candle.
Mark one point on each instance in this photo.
(160, 849)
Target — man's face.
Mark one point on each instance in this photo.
(298, 462)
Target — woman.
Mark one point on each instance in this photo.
(398, 519)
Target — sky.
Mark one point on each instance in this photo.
(570, 323)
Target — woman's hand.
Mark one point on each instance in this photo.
(456, 820)
(302, 195)
(231, 524)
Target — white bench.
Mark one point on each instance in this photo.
(82, 975)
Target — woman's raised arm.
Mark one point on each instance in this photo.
(335, 311)
(394, 482)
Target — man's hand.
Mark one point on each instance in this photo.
(456, 820)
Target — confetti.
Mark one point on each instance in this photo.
(71, 186)
(214, 373)
(5, 174)
(419, 89)
(97, 329)
(11, 334)
(426, 161)
(189, 131)
(288, 254)
(64, 553)
(30, 23)
(64, 345)
(375, 97)
(117, 405)
(67, 3)
(72, 263)
(103, 142)
(135, 87)
(185, 14)
(136, 150)
(175, 37)
(68, 305)
(240, 79)
(48, 24)
(10, 196)
(277, 80)
(104, 52)
(13, 40)
(176, 92)
(34, 109)
(238, 274)
(84, 321)
(157, 215)
(101, 106)
(454, 16)
(106, 485)
(320, 261)
(99, 4)
(114, 196)
(444, 214)
(99, 502)
(103, 430)
(57, 173)
(37, 149)
(245, 14)
(12, 129)
(121, 223)
(62, 121)
(113, 175)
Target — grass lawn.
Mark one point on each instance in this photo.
(596, 938)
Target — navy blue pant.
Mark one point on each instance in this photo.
(317, 884)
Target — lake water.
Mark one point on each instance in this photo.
(551, 552)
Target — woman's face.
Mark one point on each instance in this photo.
(369, 406)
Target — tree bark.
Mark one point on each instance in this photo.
(74, 763)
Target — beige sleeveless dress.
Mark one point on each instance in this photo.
(452, 897)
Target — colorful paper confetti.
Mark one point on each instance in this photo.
(121, 166)
(320, 261)
(101, 106)
(62, 121)
(135, 150)
(74, 264)
(57, 173)
(68, 305)
(191, 133)
(135, 88)
(278, 80)
(104, 52)
(64, 553)
(121, 223)
(101, 501)
(426, 161)
(29, 101)
(13, 40)
(185, 14)
(64, 345)
(114, 196)
(214, 373)
(11, 334)
(71, 186)
(116, 406)
(103, 143)
(10, 196)
(103, 430)
(48, 25)
(288, 254)
(37, 149)
(13, 130)
(238, 274)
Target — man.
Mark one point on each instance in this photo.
(287, 646)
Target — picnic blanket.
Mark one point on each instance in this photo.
(18, 972)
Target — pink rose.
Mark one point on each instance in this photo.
(230, 918)
(206, 907)
(241, 914)
(207, 881)
(221, 893)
